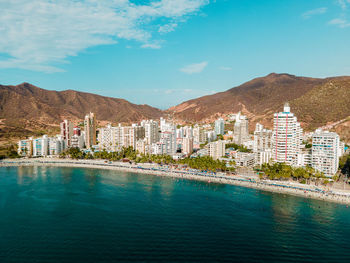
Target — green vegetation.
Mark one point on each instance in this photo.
(308, 145)
(9, 151)
(201, 163)
(281, 171)
(240, 148)
(344, 165)
(219, 137)
(202, 145)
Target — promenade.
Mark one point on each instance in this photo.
(283, 187)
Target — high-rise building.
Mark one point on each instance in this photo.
(219, 126)
(67, 131)
(325, 147)
(198, 135)
(151, 131)
(168, 139)
(187, 145)
(57, 145)
(113, 138)
(286, 137)
(216, 149)
(41, 146)
(90, 130)
(241, 129)
(262, 145)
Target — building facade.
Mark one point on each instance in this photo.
(325, 147)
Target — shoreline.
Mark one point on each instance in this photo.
(281, 187)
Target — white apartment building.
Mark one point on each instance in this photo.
(168, 139)
(142, 146)
(241, 129)
(304, 158)
(113, 138)
(220, 126)
(78, 141)
(41, 146)
(25, 147)
(286, 137)
(198, 135)
(187, 145)
(325, 147)
(57, 145)
(151, 131)
(262, 145)
(210, 135)
(67, 131)
(216, 149)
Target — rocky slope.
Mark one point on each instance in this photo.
(316, 102)
(26, 109)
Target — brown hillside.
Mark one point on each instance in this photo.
(315, 101)
(31, 108)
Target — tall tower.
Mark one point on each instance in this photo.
(287, 135)
(241, 129)
(67, 131)
(90, 130)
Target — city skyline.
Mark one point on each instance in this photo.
(154, 53)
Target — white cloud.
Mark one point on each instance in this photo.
(343, 3)
(194, 68)
(225, 68)
(38, 35)
(317, 11)
(151, 45)
(340, 22)
(167, 28)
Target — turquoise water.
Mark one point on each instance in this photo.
(89, 215)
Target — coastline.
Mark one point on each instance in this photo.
(296, 189)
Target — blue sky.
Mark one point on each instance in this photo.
(162, 52)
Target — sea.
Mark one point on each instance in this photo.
(55, 214)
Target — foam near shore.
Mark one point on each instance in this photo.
(240, 180)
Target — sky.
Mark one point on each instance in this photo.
(163, 52)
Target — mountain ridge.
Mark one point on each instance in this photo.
(28, 107)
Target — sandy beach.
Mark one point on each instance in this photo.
(291, 188)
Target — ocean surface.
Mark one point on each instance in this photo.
(50, 214)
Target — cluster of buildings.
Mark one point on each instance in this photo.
(69, 137)
(284, 143)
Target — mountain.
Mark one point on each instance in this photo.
(26, 108)
(316, 102)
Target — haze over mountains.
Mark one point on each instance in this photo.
(316, 102)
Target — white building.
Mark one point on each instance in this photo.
(25, 147)
(113, 138)
(198, 135)
(210, 135)
(151, 131)
(262, 145)
(216, 149)
(241, 129)
(220, 126)
(67, 131)
(57, 145)
(168, 139)
(142, 146)
(286, 137)
(325, 147)
(187, 145)
(41, 146)
(304, 158)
